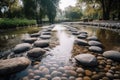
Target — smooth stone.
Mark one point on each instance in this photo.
(95, 43)
(82, 32)
(71, 72)
(29, 40)
(56, 73)
(109, 75)
(80, 70)
(114, 55)
(75, 33)
(35, 34)
(96, 49)
(78, 79)
(82, 36)
(48, 77)
(14, 65)
(43, 79)
(22, 47)
(71, 78)
(86, 59)
(64, 78)
(88, 73)
(36, 77)
(46, 33)
(81, 42)
(41, 43)
(36, 52)
(93, 38)
(86, 78)
(56, 78)
(45, 36)
(95, 77)
(31, 75)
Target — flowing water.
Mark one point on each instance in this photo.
(55, 64)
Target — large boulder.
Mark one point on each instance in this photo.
(95, 43)
(22, 47)
(41, 43)
(96, 49)
(86, 59)
(14, 65)
(115, 55)
(36, 52)
(29, 40)
(81, 42)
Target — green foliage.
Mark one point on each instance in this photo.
(73, 13)
(12, 23)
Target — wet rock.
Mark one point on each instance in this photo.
(36, 77)
(29, 40)
(95, 43)
(31, 75)
(82, 36)
(45, 36)
(80, 70)
(81, 42)
(56, 78)
(115, 55)
(86, 59)
(86, 78)
(64, 78)
(96, 49)
(71, 78)
(56, 73)
(83, 32)
(48, 77)
(43, 79)
(93, 38)
(88, 73)
(46, 33)
(10, 66)
(79, 78)
(109, 75)
(71, 72)
(41, 43)
(36, 52)
(22, 48)
(35, 34)
(105, 78)
(75, 33)
(95, 77)
(61, 69)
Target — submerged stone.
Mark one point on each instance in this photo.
(14, 65)
(22, 47)
(114, 55)
(36, 52)
(86, 59)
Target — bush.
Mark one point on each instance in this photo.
(13, 23)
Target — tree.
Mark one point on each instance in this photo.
(73, 13)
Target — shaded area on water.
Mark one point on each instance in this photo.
(10, 38)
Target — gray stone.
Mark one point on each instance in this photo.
(29, 40)
(95, 43)
(45, 36)
(35, 34)
(36, 52)
(75, 33)
(96, 49)
(56, 73)
(115, 55)
(86, 59)
(56, 78)
(14, 65)
(46, 33)
(81, 42)
(22, 47)
(92, 38)
(41, 43)
(82, 36)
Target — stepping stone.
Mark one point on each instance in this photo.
(36, 52)
(22, 47)
(114, 55)
(45, 36)
(86, 59)
(75, 33)
(95, 43)
(29, 40)
(46, 33)
(35, 34)
(82, 32)
(96, 49)
(82, 36)
(41, 43)
(93, 38)
(81, 42)
(14, 65)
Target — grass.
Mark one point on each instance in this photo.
(13, 23)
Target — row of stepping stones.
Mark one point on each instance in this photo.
(32, 47)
